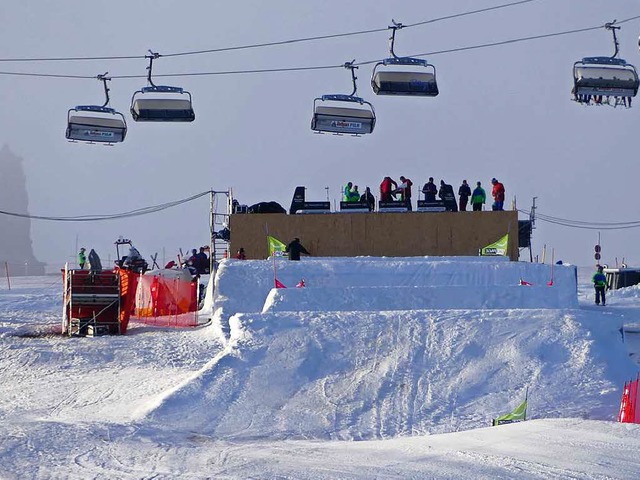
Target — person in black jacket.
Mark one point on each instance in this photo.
(295, 248)
(368, 197)
(447, 196)
(464, 192)
(429, 189)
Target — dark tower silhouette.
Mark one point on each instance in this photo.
(15, 236)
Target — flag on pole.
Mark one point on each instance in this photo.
(518, 415)
(278, 283)
(496, 248)
(276, 247)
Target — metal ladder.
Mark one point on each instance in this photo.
(220, 210)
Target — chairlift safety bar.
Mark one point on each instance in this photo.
(405, 61)
(95, 108)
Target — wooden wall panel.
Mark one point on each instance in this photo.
(376, 234)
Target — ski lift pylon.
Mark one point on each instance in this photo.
(343, 114)
(96, 123)
(605, 80)
(405, 80)
(161, 103)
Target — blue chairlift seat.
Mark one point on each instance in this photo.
(92, 123)
(342, 114)
(162, 104)
(404, 81)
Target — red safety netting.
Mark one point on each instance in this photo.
(168, 300)
(629, 411)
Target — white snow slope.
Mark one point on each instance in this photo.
(379, 368)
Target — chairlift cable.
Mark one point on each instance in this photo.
(583, 224)
(97, 218)
(320, 67)
(261, 45)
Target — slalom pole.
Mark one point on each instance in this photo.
(526, 399)
(6, 269)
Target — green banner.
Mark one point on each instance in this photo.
(518, 415)
(276, 247)
(496, 248)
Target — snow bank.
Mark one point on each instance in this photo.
(417, 298)
(243, 286)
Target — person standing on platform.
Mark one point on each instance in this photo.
(430, 190)
(387, 188)
(498, 195)
(478, 198)
(600, 284)
(82, 258)
(464, 192)
(369, 199)
(346, 192)
(404, 189)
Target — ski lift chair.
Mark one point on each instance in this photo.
(605, 76)
(400, 78)
(96, 124)
(92, 123)
(608, 78)
(343, 114)
(161, 103)
(404, 82)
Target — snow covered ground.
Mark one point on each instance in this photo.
(379, 368)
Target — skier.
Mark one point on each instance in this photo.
(600, 284)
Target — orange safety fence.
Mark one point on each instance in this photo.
(167, 301)
(629, 409)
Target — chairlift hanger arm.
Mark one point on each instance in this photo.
(392, 39)
(103, 78)
(611, 26)
(152, 56)
(350, 65)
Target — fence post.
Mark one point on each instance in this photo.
(6, 268)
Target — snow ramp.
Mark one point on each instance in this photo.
(375, 375)
(361, 353)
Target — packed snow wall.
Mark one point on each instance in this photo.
(411, 283)
(377, 234)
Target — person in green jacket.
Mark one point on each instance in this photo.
(478, 197)
(82, 258)
(600, 284)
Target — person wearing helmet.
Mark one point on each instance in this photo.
(82, 258)
(600, 284)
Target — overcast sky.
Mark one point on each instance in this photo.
(502, 112)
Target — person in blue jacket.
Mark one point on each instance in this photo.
(600, 284)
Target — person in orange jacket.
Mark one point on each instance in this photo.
(498, 195)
